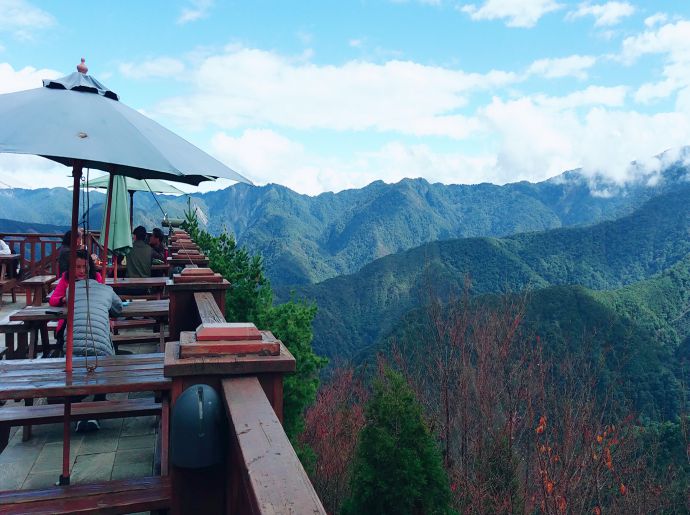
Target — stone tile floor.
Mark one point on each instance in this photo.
(122, 448)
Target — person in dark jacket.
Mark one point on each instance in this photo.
(156, 243)
(63, 251)
(140, 257)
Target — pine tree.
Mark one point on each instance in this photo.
(397, 466)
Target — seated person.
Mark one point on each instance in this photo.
(94, 304)
(4, 248)
(140, 257)
(156, 243)
(59, 296)
(63, 251)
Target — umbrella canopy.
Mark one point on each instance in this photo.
(120, 231)
(153, 185)
(77, 119)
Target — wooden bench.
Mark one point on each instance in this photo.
(11, 330)
(122, 496)
(133, 324)
(128, 339)
(37, 288)
(18, 415)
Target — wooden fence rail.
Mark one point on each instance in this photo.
(39, 251)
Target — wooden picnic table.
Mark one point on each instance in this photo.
(143, 308)
(31, 379)
(36, 288)
(155, 284)
(37, 318)
(188, 260)
(157, 270)
(37, 378)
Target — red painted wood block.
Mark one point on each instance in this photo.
(196, 271)
(227, 332)
(197, 278)
(225, 348)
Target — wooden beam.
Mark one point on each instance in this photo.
(271, 476)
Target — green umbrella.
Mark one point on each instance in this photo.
(119, 232)
(151, 185)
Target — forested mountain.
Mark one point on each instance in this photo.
(636, 338)
(358, 309)
(28, 227)
(307, 239)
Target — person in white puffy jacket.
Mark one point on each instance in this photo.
(4, 248)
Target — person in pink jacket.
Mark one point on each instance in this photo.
(59, 295)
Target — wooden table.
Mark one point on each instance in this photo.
(179, 261)
(8, 274)
(37, 318)
(157, 270)
(36, 288)
(156, 284)
(37, 378)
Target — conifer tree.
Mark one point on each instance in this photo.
(397, 466)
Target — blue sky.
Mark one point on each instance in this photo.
(324, 95)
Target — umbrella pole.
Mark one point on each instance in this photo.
(131, 210)
(76, 173)
(108, 210)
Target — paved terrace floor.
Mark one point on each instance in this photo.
(122, 448)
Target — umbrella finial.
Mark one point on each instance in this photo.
(81, 67)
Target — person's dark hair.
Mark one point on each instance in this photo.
(140, 233)
(91, 266)
(157, 233)
(67, 238)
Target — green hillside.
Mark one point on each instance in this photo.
(356, 310)
(634, 338)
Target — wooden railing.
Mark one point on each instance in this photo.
(267, 475)
(39, 251)
(262, 473)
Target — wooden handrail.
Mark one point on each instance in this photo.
(270, 477)
(38, 251)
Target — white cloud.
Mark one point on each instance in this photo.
(591, 96)
(153, 68)
(247, 87)
(27, 78)
(670, 40)
(21, 19)
(572, 66)
(524, 139)
(199, 9)
(517, 13)
(655, 19)
(605, 15)
(27, 171)
(266, 156)
(540, 141)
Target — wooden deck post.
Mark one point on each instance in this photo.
(183, 313)
(208, 490)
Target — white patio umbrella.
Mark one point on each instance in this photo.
(79, 122)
